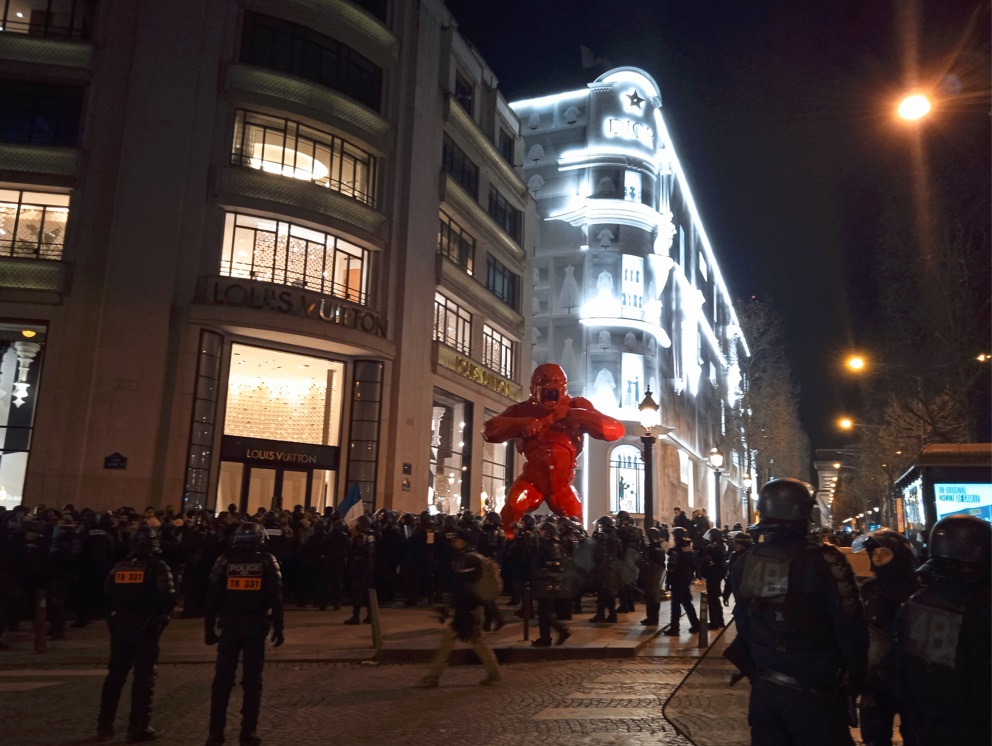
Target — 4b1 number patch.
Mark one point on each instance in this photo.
(244, 584)
(129, 576)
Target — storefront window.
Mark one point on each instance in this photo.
(626, 480)
(279, 405)
(22, 348)
(451, 450)
(497, 472)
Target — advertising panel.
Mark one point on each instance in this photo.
(972, 499)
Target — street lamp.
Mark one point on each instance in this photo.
(747, 481)
(650, 419)
(716, 461)
(914, 107)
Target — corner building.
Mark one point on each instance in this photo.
(628, 295)
(255, 252)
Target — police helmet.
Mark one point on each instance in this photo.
(364, 522)
(549, 530)
(962, 538)
(714, 534)
(885, 538)
(679, 536)
(493, 519)
(144, 540)
(653, 534)
(528, 522)
(250, 534)
(743, 537)
(623, 518)
(786, 500)
(605, 522)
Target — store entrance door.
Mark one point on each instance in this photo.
(274, 489)
(275, 475)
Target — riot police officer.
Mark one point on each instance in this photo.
(713, 565)
(605, 574)
(681, 570)
(140, 593)
(801, 634)
(548, 576)
(894, 580)
(652, 570)
(246, 596)
(943, 635)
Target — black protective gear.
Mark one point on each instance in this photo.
(900, 546)
(250, 535)
(623, 518)
(605, 522)
(144, 541)
(962, 538)
(786, 500)
(492, 519)
(528, 522)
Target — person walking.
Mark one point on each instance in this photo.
(141, 593)
(245, 597)
(801, 633)
(466, 621)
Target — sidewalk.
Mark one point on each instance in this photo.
(409, 635)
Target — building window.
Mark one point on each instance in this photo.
(498, 352)
(458, 166)
(504, 145)
(275, 251)
(451, 454)
(282, 146)
(199, 451)
(297, 50)
(626, 480)
(32, 224)
(464, 93)
(454, 242)
(363, 431)
(502, 282)
(39, 114)
(497, 471)
(505, 215)
(62, 19)
(452, 324)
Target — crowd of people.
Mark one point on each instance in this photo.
(814, 637)
(66, 555)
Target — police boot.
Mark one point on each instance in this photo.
(353, 620)
(104, 732)
(140, 736)
(249, 739)
(215, 739)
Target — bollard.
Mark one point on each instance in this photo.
(374, 616)
(40, 636)
(704, 621)
(525, 610)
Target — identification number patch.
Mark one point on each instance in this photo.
(932, 634)
(129, 576)
(244, 584)
(765, 577)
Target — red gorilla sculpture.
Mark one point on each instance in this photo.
(548, 430)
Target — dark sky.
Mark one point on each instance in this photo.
(781, 113)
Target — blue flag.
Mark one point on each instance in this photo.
(351, 507)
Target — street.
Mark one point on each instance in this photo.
(550, 702)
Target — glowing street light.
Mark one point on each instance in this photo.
(845, 423)
(855, 362)
(914, 107)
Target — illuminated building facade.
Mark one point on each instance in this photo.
(254, 252)
(628, 295)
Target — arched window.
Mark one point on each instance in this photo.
(626, 479)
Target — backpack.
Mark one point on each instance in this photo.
(490, 583)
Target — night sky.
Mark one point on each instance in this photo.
(782, 116)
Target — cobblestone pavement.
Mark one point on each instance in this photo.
(601, 702)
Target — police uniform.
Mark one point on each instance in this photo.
(943, 638)
(801, 620)
(140, 593)
(245, 596)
